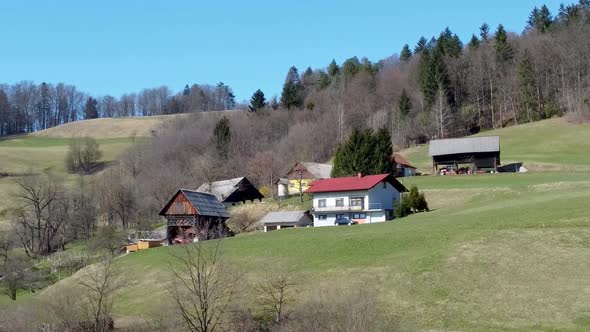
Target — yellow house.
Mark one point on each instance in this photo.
(301, 176)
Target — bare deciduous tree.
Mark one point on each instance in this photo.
(274, 292)
(202, 286)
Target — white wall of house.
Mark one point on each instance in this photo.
(282, 190)
(377, 201)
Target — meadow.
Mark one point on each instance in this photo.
(496, 252)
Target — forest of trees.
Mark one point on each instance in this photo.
(26, 107)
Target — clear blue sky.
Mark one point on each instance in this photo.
(117, 46)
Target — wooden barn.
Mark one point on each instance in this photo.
(233, 191)
(472, 154)
(193, 215)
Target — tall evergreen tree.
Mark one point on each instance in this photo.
(324, 80)
(333, 68)
(421, 45)
(257, 102)
(526, 83)
(504, 51)
(473, 42)
(406, 53)
(404, 103)
(351, 67)
(364, 152)
(484, 32)
(540, 19)
(292, 95)
(91, 108)
(222, 137)
(186, 91)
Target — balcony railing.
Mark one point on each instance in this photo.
(372, 206)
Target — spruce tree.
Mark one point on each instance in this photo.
(484, 31)
(420, 46)
(324, 80)
(364, 152)
(406, 53)
(222, 137)
(526, 84)
(351, 67)
(473, 43)
(257, 102)
(404, 103)
(540, 19)
(91, 108)
(333, 68)
(503, 48)
(186, 91)
(292, 95)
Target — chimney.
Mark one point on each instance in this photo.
(359, 175)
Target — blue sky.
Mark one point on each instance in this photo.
(114, 47)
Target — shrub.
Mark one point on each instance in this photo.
(82, 155)
(401, 209)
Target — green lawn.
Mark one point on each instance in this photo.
(497, 252)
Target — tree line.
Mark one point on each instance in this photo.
(444, 87)
(27, 107)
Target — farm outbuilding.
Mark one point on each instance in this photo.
(478, 153)
(233, 191)
(193, 215)
(286, 219)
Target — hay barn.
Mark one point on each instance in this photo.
(477, 153)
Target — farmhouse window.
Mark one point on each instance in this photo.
(339, 216)
(357, 201)
(359, 216)
(321, 203)
(322, 217)
(339, 201)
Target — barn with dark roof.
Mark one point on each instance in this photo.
(193, 215)
(478, 153)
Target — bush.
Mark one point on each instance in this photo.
(401, 209)
(83, 155)
(421, 203)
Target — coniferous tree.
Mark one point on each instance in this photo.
(333, 68)
(404, 103)
(503, 49)
(364, 152)
(406, 53)
(351, 67)
(222, 137)
(526, 83)
(484, 32)
(324, 80)
(257, 102)
(540, 19)
(186, 91)
(420, 46)
(91, 108)
(473, 43)
(292, 96)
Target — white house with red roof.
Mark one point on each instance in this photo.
(359, 199)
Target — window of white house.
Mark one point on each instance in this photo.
(322, 217)
(357, 201)
(339, 216)
(321, 203)
(339, 201)
(359, 216)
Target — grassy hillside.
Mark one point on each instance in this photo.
(549, 145)
(498, 251)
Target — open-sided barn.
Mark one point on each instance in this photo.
(233, 191)
(194, 215)
(477, 152)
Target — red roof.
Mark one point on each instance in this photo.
(399, 159)
(352, 183)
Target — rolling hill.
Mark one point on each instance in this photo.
(497, 251)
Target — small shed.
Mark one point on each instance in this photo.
(402, 166)
(282, 187)
(233, 191)
(286, 219)
(193, 215)
(480, 153)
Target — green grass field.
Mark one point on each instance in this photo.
(550, 145)
(497, 252)
(35, 154)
